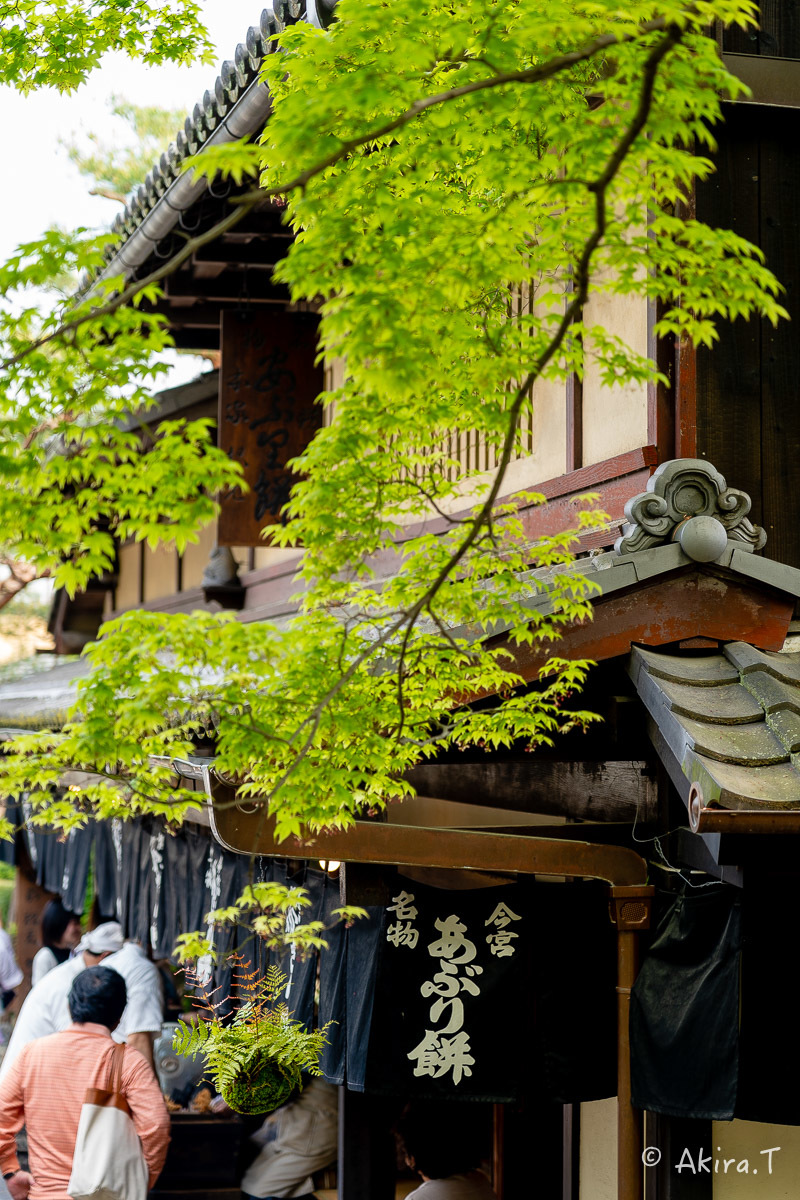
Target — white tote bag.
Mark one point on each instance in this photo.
(108, 1163)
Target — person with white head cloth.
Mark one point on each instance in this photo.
(46, 1008)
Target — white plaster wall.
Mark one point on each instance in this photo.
(599, 1150)
(127, 590)
(614, 419)
(195, 556)
(743, 1142)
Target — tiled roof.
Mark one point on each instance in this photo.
(731, 720)
(236, 106)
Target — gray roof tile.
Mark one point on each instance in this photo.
(731, 720)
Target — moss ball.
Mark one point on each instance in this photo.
(261, 1087)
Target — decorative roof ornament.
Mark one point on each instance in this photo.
(688, 500)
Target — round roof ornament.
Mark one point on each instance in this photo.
(702, 538)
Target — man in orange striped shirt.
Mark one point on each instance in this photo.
(45, 1086)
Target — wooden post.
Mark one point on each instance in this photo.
(498, 1122)
(366, 1169)
(29, 902)
(630, 913)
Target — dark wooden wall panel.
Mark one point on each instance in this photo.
(778, 35)
(749, 385)
(268, 386)
(728, 376)
(780, 346)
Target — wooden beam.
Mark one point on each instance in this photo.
(772, 80)
(696, 603)
(246, 287)
(262, 223)
(257, 252)
(589, 791)
(196, 339)
(616, 479)
(253, 832)
(188, 316)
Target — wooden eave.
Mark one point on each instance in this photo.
(661, 597)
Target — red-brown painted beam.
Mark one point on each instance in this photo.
(697, 604)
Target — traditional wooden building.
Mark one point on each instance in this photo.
(686, 802)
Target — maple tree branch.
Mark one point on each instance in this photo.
(406, 621)
(242, 204)
(402, 625)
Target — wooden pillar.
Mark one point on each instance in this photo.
(366, 1147)
(630, 913)
(29, 902)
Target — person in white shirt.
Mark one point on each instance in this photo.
(443, 1145)
(295, 1141)
(144, 1012)
(46, 1008)
(10, 974)
(61, 932)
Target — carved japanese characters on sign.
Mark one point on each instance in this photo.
(267, 413)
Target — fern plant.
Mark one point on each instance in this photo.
(256, 1057)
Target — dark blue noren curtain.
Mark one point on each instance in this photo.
(347, 977)
(333, 989)
(685, 1008)
(75, 873)
(8, 850)
(105, 871)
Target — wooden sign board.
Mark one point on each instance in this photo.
(268, 385)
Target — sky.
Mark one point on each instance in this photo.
(44, 188)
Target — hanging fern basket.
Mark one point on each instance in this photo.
(255, 1058)
(261, 1086)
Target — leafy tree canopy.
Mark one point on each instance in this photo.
(58, 45)
(462, 179)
